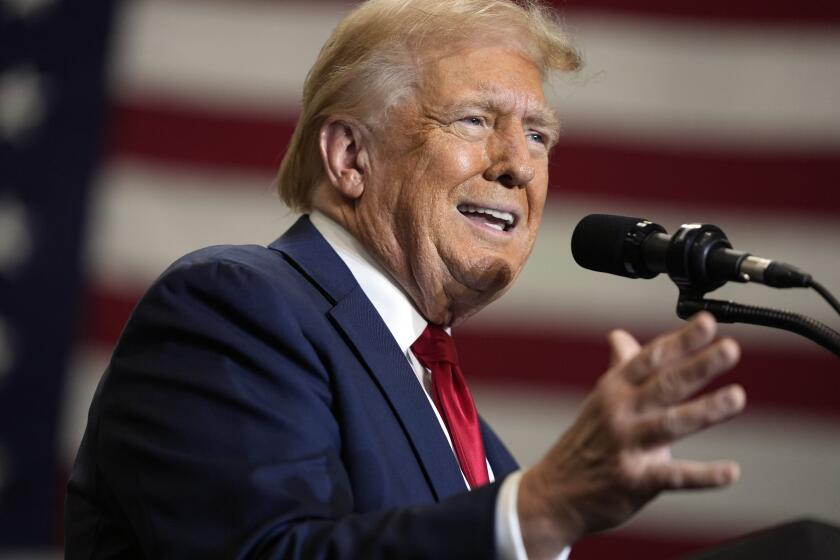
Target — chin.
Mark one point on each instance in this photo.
(476, 284)
(486, 276)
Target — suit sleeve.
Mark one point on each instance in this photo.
(216, 437)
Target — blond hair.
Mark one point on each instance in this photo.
(372, 60)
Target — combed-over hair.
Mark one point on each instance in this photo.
(372, 59)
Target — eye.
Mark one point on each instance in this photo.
(474, 121)
(537, 137)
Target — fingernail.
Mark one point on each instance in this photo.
(705, 322)
(732, 399)
(728, 474)
(730, 349)
(734, 472)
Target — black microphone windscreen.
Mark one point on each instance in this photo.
(598, 243)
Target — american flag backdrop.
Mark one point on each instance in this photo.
(52, 99)
(725, 112)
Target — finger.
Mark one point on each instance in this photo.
(689, 376)
(678, 421)
(623, 347)
(685, 475)
(695, 334)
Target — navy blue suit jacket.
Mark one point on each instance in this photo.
(257, 406)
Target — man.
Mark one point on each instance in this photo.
(304, 400)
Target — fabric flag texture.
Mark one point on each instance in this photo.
(711, 112)
(52, 94)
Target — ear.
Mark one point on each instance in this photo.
(343, 155)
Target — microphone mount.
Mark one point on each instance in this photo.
(693, 271)
(688, 262)
(699, 259)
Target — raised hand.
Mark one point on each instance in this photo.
(616, 456)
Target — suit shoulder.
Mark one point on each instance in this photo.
(232, 267)
(234, 281)
(256, 258)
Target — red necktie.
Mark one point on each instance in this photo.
(436, 351)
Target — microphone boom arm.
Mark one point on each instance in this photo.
(731, 312)
(698, 258)
(694, 273)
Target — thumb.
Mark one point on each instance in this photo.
(622, 346)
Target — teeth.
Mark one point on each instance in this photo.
(506, 216)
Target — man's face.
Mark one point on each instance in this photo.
(458, 180)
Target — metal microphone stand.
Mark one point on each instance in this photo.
(732, 312)
(688, 270)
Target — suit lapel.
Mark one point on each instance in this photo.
(363, 326)
(360, 323)
(498, 456)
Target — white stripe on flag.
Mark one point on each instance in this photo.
(663, 81)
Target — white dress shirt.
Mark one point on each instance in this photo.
(406, 325)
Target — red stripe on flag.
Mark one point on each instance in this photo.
(626, 544)
(786, 182)
(184, 134)
(173, 133)
(803, 380)
(806, 380)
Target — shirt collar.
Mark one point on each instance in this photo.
(402, 319)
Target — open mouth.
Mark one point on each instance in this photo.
(499, 220)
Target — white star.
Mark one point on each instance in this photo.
(26, 8)
(15, 235)
(6, 355)
(22, 104)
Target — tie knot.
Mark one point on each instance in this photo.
(435, 346)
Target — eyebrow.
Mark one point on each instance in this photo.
(491, 98)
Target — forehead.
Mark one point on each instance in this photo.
(499, 75)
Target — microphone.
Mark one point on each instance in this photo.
(698, 257)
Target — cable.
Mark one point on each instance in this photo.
(832, 301)
(731, 312)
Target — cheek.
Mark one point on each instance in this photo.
(454, 160)
(431, 187)
(536, 206)
(466, 161)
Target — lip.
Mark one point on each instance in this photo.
(491, 206)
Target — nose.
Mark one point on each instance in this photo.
(510, 158)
